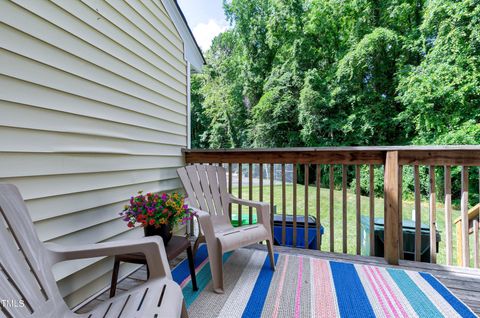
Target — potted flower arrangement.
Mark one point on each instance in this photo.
(157, 214)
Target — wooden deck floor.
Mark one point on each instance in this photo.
(462, 282)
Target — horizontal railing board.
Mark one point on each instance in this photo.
(469, 156)
(451, 155)
(23, 116)
(31, 71)
(27, 140)
(40, 164)
(342, 148)
(41, 209)
(287, 156)
(43, 97)
(58, 185)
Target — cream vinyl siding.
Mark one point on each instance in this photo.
(93, 108)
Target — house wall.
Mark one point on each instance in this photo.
(92, 109)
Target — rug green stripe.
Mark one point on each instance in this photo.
(440, 303)
(417, 298)
(203, 279)
(209, 304)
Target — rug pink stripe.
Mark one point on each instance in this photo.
(278, 296)
(325, 306)
(299, 287)
(197, 269)
(373, 283)
(387, 292)
(391, 292)
(384, 293)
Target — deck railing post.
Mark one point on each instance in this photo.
(391, 208)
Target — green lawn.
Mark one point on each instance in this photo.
(351, 218)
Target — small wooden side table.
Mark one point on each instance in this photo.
(175, 247)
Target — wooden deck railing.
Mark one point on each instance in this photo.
(394, 161)
(473, 228)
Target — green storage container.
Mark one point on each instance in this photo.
(408, 239)
(245, 218)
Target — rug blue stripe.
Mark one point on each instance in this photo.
(351, 296)
(259, 293)
(463, 310)
(420, 302)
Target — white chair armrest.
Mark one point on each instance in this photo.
(152, 247)
(205, 221)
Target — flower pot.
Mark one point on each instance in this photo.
(164, 230)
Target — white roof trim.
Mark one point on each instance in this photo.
(193, 54)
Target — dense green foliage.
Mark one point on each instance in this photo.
(354, 72)
(329, 72)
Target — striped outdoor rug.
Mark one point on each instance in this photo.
(310, 287)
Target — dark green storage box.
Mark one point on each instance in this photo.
(408, 239)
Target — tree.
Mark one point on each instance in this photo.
(443, 92)
(352, 72)
(273, 122)
(222, 91)
(365, 90)
(199, 120)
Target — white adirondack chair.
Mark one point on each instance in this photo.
(206, 188)
(27, 285)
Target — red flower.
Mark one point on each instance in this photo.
(130, 224)
(151, 222)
